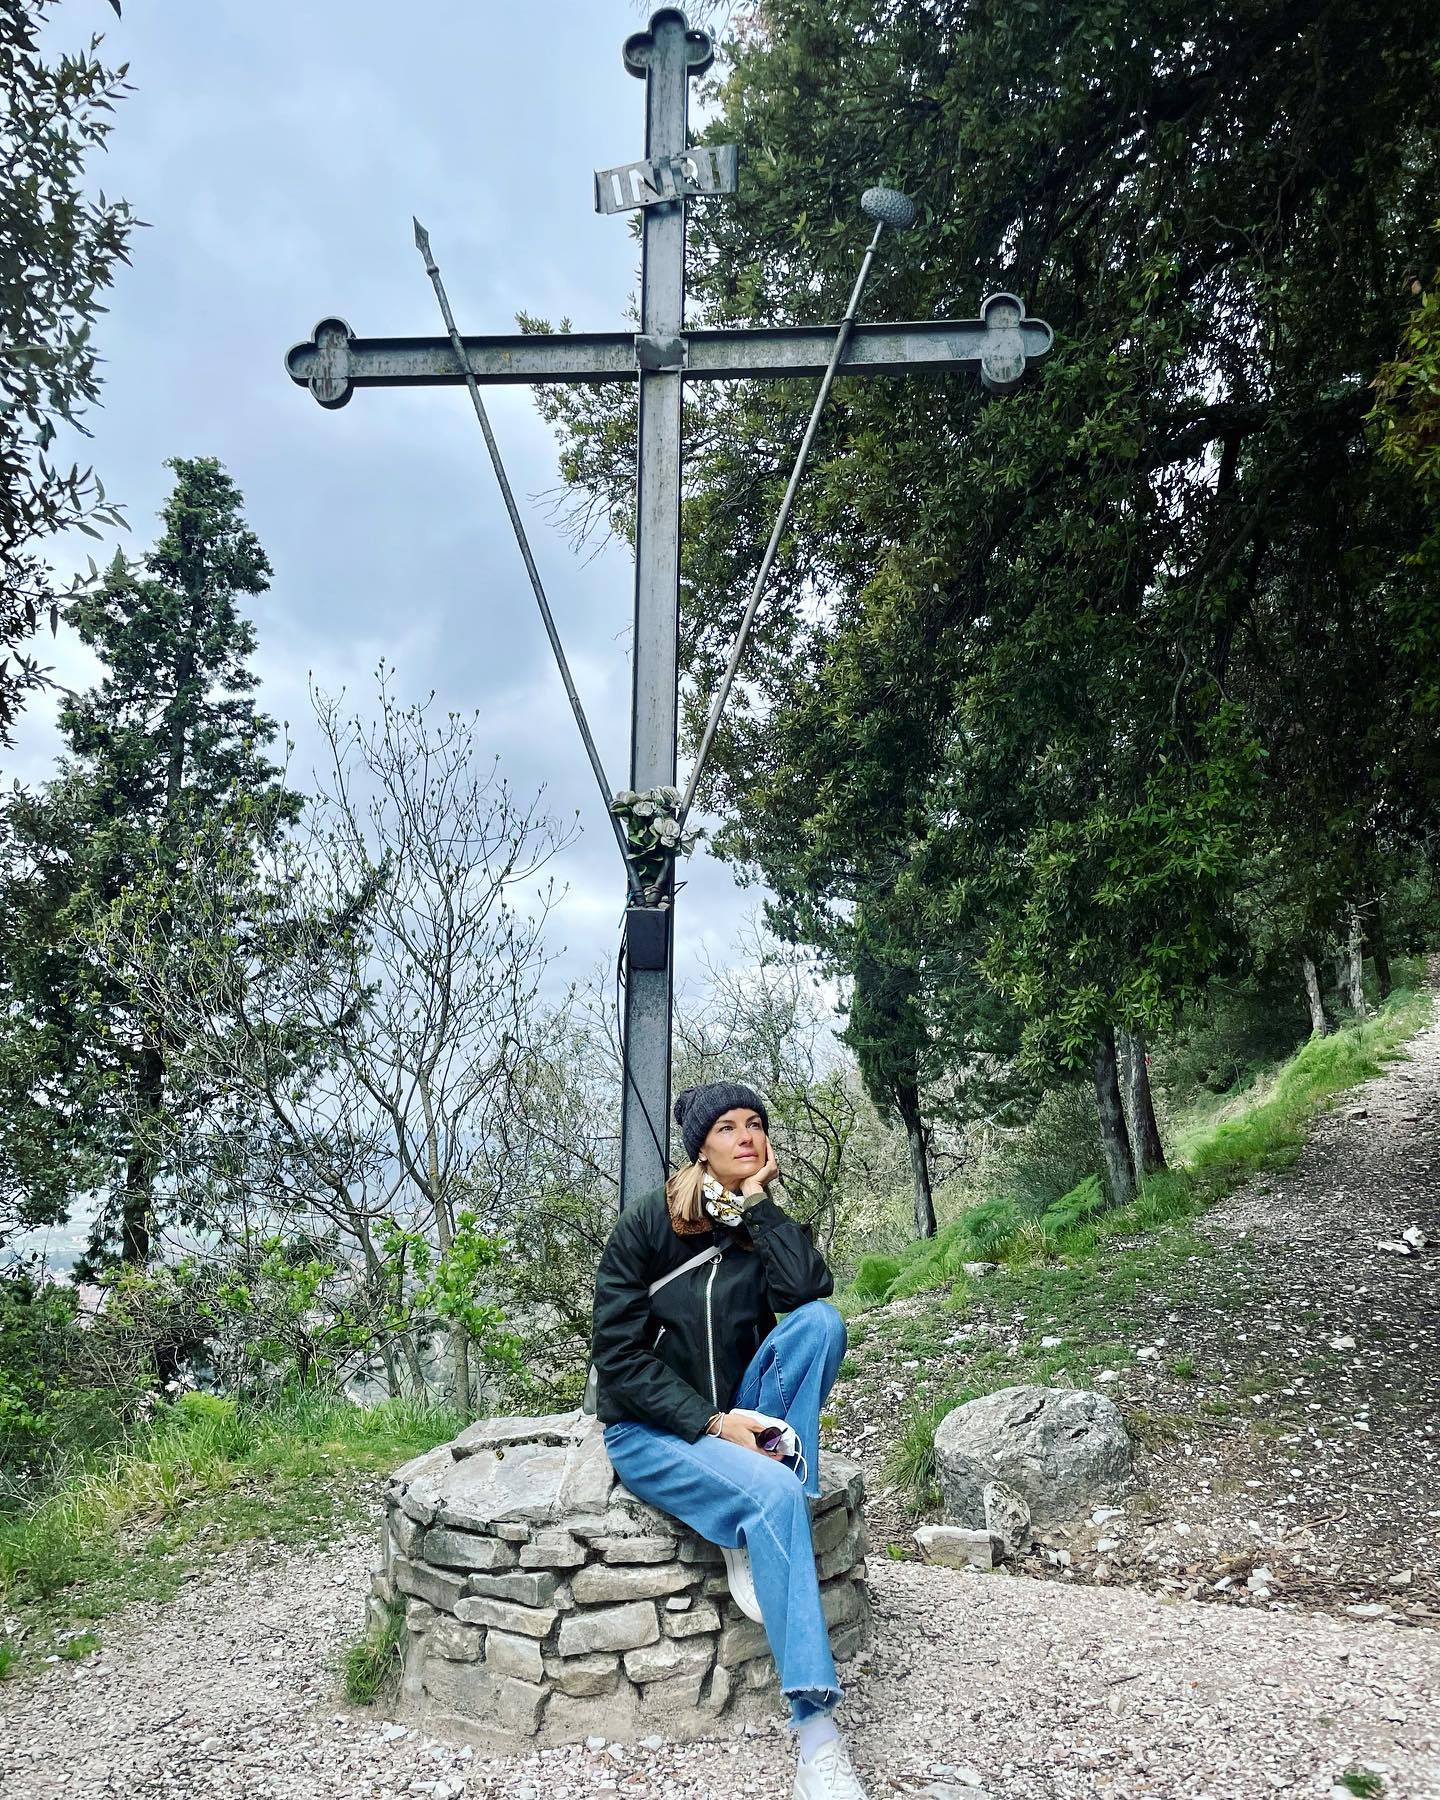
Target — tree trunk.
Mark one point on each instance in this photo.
(1354, 952)
(1319, 1024)
(1380, 949)
(907, 1103)
(1140, 1106)
(410, 1345)
(375, 1290)
(1114, 1138)
(137, 1214)
(444, 1232)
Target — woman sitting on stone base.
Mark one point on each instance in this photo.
(695, 1376)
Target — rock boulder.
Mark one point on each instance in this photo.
(1060, 1449)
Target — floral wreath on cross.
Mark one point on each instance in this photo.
(654, 836)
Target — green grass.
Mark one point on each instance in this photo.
(873, 1276)
(371, 1668)
(911, 1462)
(204, 1474)
(1270, 1132)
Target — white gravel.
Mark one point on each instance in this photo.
(980, 1685)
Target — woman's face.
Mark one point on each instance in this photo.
(735, 1147)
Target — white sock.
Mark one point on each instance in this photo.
(814, 1734)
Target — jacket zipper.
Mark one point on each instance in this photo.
(658, 1335)
(710, 1332)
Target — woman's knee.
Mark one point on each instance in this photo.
(821, 1320)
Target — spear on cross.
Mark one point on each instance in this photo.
(659, 358)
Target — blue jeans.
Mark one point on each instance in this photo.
(731, 1495)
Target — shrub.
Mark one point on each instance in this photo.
(873, 1276)
(1081, 1206)
(153, 1325)
(932, 1262)
(1055, 1152)
(196, 1408)
(38, 1340)
(988, 1229)
(1224, 1043)
(210, 1428)
(38, 1557)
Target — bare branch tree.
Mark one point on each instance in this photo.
(362, 1038)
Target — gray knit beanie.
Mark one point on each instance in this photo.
(697, 1109)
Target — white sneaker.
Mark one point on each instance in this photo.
(742, 1581)
(828, 1775)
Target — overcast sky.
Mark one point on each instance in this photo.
(278, 152)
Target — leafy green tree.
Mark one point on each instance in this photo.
(1037, 647)
(886, 1029)
(1116, 916)
(59, 251)
(168, 740)
(1407, 419)
(37, 1360)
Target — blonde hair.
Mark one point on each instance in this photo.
(685, 1194)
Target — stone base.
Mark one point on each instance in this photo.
(545, 1604)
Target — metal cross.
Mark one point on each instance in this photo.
(660, 357)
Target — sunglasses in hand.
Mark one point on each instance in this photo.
(775, 1436)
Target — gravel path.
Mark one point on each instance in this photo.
(1104, 1678)
(1035, 1690)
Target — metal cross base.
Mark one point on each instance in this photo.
(660, 357)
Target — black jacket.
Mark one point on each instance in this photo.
(675, 1360)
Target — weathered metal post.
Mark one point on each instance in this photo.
(666, 56)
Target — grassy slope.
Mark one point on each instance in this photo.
(204, 1475)
(1078, 1272)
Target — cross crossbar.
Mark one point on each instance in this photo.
(333, 362)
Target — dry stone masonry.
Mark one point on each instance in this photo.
(545, 1604)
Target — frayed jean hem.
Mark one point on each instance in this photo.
(812, 1703)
